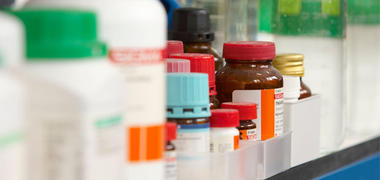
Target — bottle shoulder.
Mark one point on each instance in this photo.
(249, 77)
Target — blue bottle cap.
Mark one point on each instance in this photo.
(187, 95)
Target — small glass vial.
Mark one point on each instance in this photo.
(249, 76)
(248, 116)
(173, 47)
(177, 65)
(188, 106)
(291, 66)
(192, 27)
(224, 136)
(203, 63)
(170, 151)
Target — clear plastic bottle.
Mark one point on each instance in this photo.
(317, 30)
(363, 43)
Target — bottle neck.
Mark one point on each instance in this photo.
(249, 63)
(197, 47)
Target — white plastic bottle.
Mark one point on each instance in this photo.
(224, 136)
(12, 99)
(75, 98)
(135, 31)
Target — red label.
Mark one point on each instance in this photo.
(137, 56)
(279, 96)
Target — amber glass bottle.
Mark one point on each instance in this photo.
(305, 91)
(249, 76)
(192, 27)
(293, 64)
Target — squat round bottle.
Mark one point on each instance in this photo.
(249, 76)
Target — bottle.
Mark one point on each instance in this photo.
(13, 139)
(224, 136)
(203, 63)
(188, 106)
(138, 47)
(317, 30)
(363, 37)
(177, 65)
(75, 97)
(192, 27)
(248, 76)
(292, 69)
(170, 152)
(248, 118)
(173, 47)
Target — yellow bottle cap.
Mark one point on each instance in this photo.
(289, 64)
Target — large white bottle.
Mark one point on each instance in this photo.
(12, 101)
(75, 98)
(135, 31)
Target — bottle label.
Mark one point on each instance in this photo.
(248, 134)
(145, 143)
(223, 144)
(136, 56)
(12, 155)
(193, 138)
(170, 165)
(70, 144)
(269, 102)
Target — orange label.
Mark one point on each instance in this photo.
(267, 114)
(236, 142)
(145, 143)
(269, 122)
(248, 134)
(137, 56)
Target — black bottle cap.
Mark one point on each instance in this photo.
(191, 25)
(6, 3)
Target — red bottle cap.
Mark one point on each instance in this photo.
(249, 50)
(177, 65)
(201, 63)
(173, 47)
(171, 131)
(247, 111)
(224, 118)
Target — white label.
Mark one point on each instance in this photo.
(108, 133)
(170, 165)
(193, 140)
(12, 156)
(269, 102)
(279, 112)
(222, 143)
(77, 149)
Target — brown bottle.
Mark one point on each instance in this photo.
(247, 116)
(305, 91)
(249, 76)
(293, 64)
(192, 27)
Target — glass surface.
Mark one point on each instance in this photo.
(363, 45)
(315, 28)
